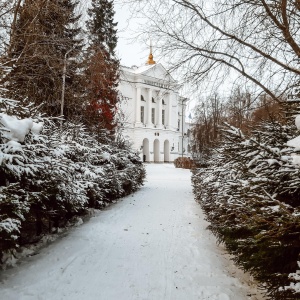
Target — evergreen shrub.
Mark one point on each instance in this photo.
(250, 194)
(50, 173)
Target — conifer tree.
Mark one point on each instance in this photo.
(250, 194)
(49, 175)
(103, 67)
(43, 39)
(101, 26)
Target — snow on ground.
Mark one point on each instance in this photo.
(152, 245)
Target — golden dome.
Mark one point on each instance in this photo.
(150, 60)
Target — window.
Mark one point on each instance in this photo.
(153, 115)
(163, 102)
(178, 125)
(153, 101)
(163, 117)
(142, 113)
(142, 98)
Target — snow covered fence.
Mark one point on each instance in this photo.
(49, 175)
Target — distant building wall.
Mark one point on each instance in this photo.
(154, 113)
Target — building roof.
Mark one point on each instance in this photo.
(155, 72)
(138, 70)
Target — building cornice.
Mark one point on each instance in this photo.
(149, 81)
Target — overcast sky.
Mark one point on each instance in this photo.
(129, 50)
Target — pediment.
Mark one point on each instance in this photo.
(159, 73)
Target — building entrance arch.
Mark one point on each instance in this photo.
(166, 151)
(146, 152)
(156, 150)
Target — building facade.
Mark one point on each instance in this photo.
(153, 112)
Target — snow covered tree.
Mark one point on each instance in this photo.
(21, 151)
(250, 193)
(102, 67)
(44, 37)
(240, 109)
(49, 174)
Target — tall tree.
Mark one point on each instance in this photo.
(239, 109)
(101, 25)
(102, 67)
(44, 38)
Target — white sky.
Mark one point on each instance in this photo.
(129, 50)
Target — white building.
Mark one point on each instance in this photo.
(154, 112)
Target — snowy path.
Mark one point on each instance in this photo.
(153, 245)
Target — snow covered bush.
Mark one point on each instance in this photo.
(250, 194)
(50, 173)
(20, 148)
(184, 162)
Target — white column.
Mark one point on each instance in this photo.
(149, 107)
(159, 121)
(138, 105)
(175, 122)
(169, 111)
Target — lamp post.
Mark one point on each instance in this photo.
(182, 135)
(64, 83)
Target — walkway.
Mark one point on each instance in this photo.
(152, 245)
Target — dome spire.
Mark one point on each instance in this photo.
(150, 60)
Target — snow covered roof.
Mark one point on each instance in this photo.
(156, 72)
(138, 70)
